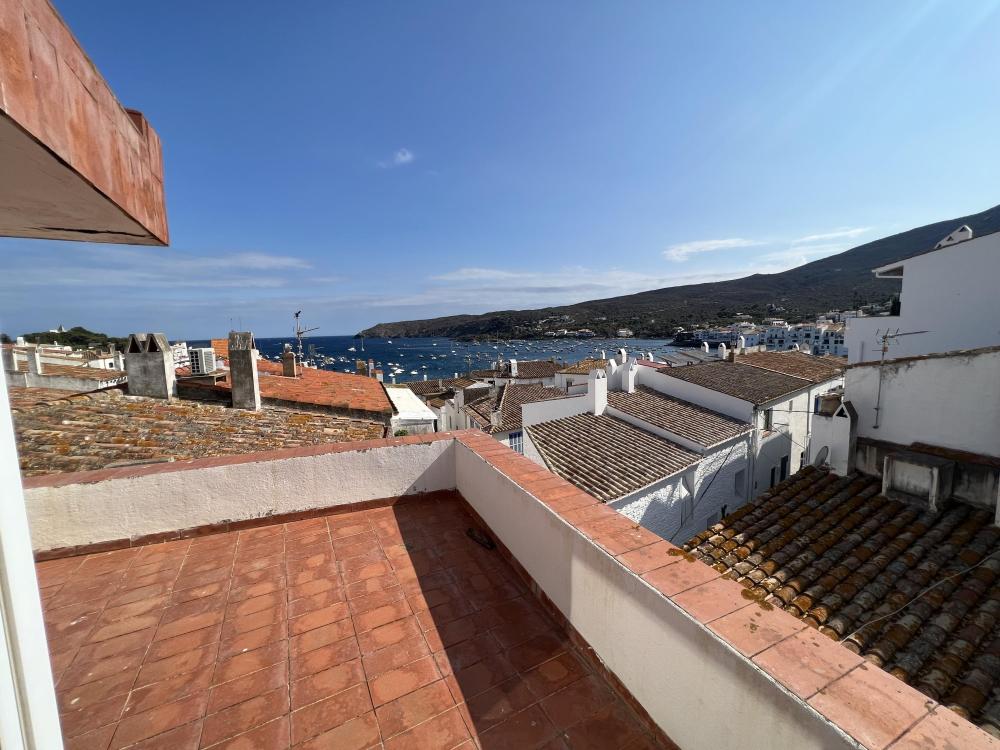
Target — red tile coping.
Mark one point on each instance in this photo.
(869, 704)
(305, 451)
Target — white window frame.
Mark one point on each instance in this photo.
(516, 441)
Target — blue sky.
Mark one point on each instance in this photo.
(375, 161)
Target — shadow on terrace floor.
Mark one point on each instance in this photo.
(344, 631)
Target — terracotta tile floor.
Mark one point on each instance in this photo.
(379, 628)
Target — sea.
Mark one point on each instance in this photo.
(431, 358)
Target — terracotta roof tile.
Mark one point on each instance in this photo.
(96, 430)
(532, 369)
(744, 382)
(337, 390)
(696, 423)
(508, 400)
(860, 567)
(80, 372)
(605, 456)
(438, 385)
(584, 366)
(798, 364)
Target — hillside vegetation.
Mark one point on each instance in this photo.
(838, 281)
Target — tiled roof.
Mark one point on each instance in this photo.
(80, 372)
(584, 366)
(798, 364)
(337, 390)
(22, 398)
(533, 369)
(837, 554)
(744, 382)
(605, 456)
(105, 428)
(340, 631)
(696, 423)
(508, 400)
(438, 385)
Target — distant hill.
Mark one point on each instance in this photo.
(78, 336)
(838, 281)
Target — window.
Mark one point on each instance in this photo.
(517, 441)
(739, 483)
(768, 419)
(773, 470)
(784, 468)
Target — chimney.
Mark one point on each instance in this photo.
(597, 392)
(371, 368)
(741, 344)
(9, 364)
(628, 376)
(704, 346)
(243, 377)
(723, 349)
(622, 356)
(20, 340)
(150, 366)
(34, 361)
(495, 417)
(513, 368)
(425, 376)
(289, 367)
(119, 360)
(379, 376)
(604, 354)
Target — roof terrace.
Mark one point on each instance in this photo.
(431, 591)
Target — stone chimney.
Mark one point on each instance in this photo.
(629, 376)
(244, 380)
(150, 366)
(597, 392)
(289, 367)
(513, 368)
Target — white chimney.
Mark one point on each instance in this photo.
(704, 346)
(513, 368)
(597, 392)
(723, 350)
(629, 375)
(34, 361)
(9, 364)
(622, 356)
(604, 354)
(741, 344)
(119, 360)
(425, 376)
(961, 234)
(649, 356)
(20, 340)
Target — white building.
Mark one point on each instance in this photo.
(776, 392)
(926, 417)
(498, 410)
(948, 301)
(669, 465)
(410, 415)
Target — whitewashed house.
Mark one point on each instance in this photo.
(498, 410)
(948, 301)
(411, 416)
(776, 392)
(670, 465)
(925, 413)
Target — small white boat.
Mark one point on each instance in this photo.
(351, 349)
(414, 372)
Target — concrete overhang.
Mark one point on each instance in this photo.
(76, 165)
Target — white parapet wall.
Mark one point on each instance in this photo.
(168, 497)
(702, 693)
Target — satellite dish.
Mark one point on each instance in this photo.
(821, 457)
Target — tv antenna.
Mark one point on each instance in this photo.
(885, 339)
(300, 332)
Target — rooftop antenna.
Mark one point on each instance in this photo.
(884, 340)
(300, 332)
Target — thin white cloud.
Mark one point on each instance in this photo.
(797, 255)
(400, 158)
(684, 250)
(471, 274)
(839, 234)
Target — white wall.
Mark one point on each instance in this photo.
(696, 394)
(949, 293)
(171, 500)
(952, 402)
(556, 408)
(645, 639)
(670, 511)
